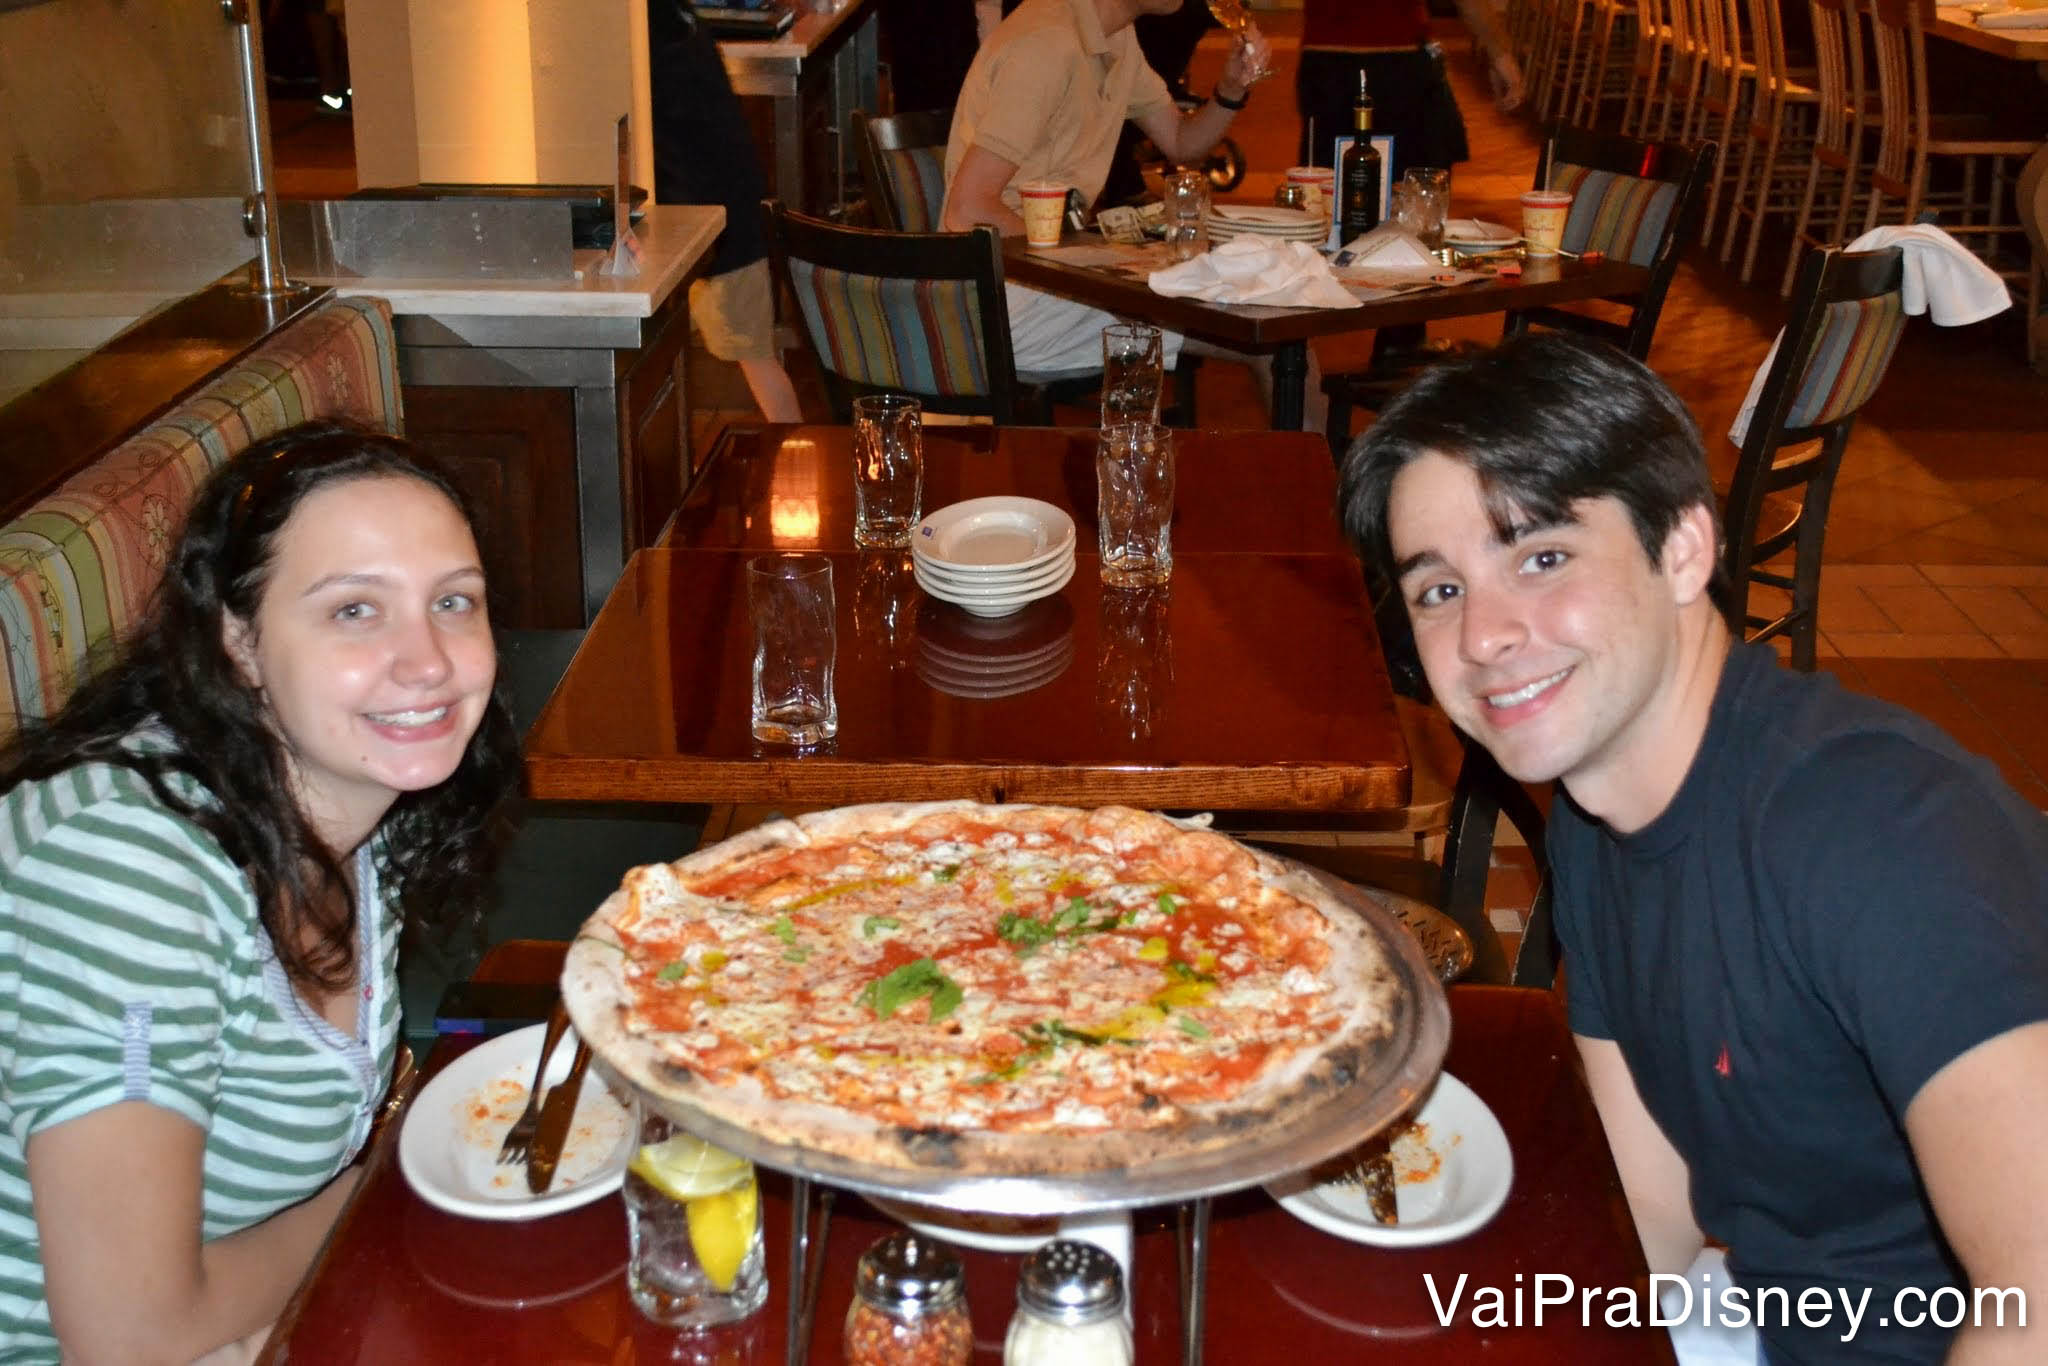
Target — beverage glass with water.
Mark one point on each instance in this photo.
(888, 470)
(1134, 504)
(1133, 368)
(796, 641)
(1187, 214)
(693, 1228)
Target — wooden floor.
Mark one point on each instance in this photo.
(1935, 592)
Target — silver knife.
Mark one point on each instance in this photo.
(555, 1113)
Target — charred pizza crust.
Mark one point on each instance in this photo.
(1355, 1007)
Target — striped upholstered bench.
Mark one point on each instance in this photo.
(77, 567)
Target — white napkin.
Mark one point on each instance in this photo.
(1388, 248)
(1694, 1340)
(1941, 279)
(1246, 271)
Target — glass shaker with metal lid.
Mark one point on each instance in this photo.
(909, 1306)
(1070, 1309)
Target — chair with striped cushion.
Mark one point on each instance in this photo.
(918, 313)
(1847, 314)
(903, 164)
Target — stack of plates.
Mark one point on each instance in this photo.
(1266, 221)
(1476, 234)
(979, 657)
(991, 556)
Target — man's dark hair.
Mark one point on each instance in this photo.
(1543, 420)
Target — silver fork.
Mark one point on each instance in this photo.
(519, 1142)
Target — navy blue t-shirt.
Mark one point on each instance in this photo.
(1838, 902)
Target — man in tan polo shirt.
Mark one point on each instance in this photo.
(1045, 100)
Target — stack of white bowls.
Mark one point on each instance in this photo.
(991, 556)
(1266, 222)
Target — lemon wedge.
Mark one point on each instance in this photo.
(722, 1230)
(687, 1168)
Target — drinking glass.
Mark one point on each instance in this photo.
(1133, 368)
(693, 1228)
(1433, 184)
(1187, 213)
(1134, 504)
(888, 470)
(795, 646)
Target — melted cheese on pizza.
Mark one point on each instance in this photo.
(1078, 972)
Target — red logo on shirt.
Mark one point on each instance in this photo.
(1721, 1063)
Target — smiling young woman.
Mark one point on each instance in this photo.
(206, 861)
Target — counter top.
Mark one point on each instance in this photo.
(674, 238)
(811, 31)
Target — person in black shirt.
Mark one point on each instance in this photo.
(704, 154)
(1805, 934)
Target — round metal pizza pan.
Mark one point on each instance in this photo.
(1399, 1070)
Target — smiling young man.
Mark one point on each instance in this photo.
(1805, 934)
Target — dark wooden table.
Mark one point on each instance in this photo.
(1256, 493)
(1285, 332)
(1253, 682)
(403, 1282)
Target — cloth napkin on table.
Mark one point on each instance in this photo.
(1387, 248)
(1242, 271)
(1941, 279)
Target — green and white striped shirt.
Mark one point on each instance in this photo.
(133, 967)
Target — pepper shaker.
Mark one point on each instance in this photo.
(1070, 1309)
(909, 1306)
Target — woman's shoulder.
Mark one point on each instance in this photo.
(109, 811)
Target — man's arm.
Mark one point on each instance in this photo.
(117, 1204)
(976, 195)
(1976, 1131)
(1502, 70)
(1186, 138)
(1653, 1175)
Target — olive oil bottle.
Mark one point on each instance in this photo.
(1360, 176)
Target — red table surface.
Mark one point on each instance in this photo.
(403, 1282)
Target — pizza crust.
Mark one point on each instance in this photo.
(1361, 988)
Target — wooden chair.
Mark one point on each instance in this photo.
(1780, 140)
(1913, 136)
(2033, 205)
(1847, 315)
(1843, 115)
(898, 312)
(1726, 96)
(903, 164)
(1685, 78)
(1652, 60)
(1634, 201)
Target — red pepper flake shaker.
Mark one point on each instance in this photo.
(909, 1306)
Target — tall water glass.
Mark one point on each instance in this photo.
(1134, 504)
(795, 648)
(1187, 214)
(693, 1228)
(888, 470)
(1133, 367)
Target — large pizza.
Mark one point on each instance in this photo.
(993, 990)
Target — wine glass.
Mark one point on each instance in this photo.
(1234, 17)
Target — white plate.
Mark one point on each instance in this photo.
(1255, 217)
(456, 1124)
(1452, 1174)
(992, 535)
(982, 1232)
(996, 606)
(1477, 232)
(994, 588)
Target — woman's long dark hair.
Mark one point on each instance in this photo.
(437, 848)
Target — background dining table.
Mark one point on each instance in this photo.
(1072, 272)
(402, 1281)
(1254, 681)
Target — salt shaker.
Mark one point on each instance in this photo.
(909, 1306)
(1070, 1309)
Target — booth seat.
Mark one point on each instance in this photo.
(77, 567)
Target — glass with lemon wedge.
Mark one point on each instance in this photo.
(693, 1214)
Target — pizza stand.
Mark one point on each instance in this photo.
(1395, 1072)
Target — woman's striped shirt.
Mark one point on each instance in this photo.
(133, 967)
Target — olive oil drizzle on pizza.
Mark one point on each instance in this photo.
(975, 978)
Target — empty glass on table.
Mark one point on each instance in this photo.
(1187, 214)
(1133, 367)
(888, 470)
(1134, 504)
(796, 644)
